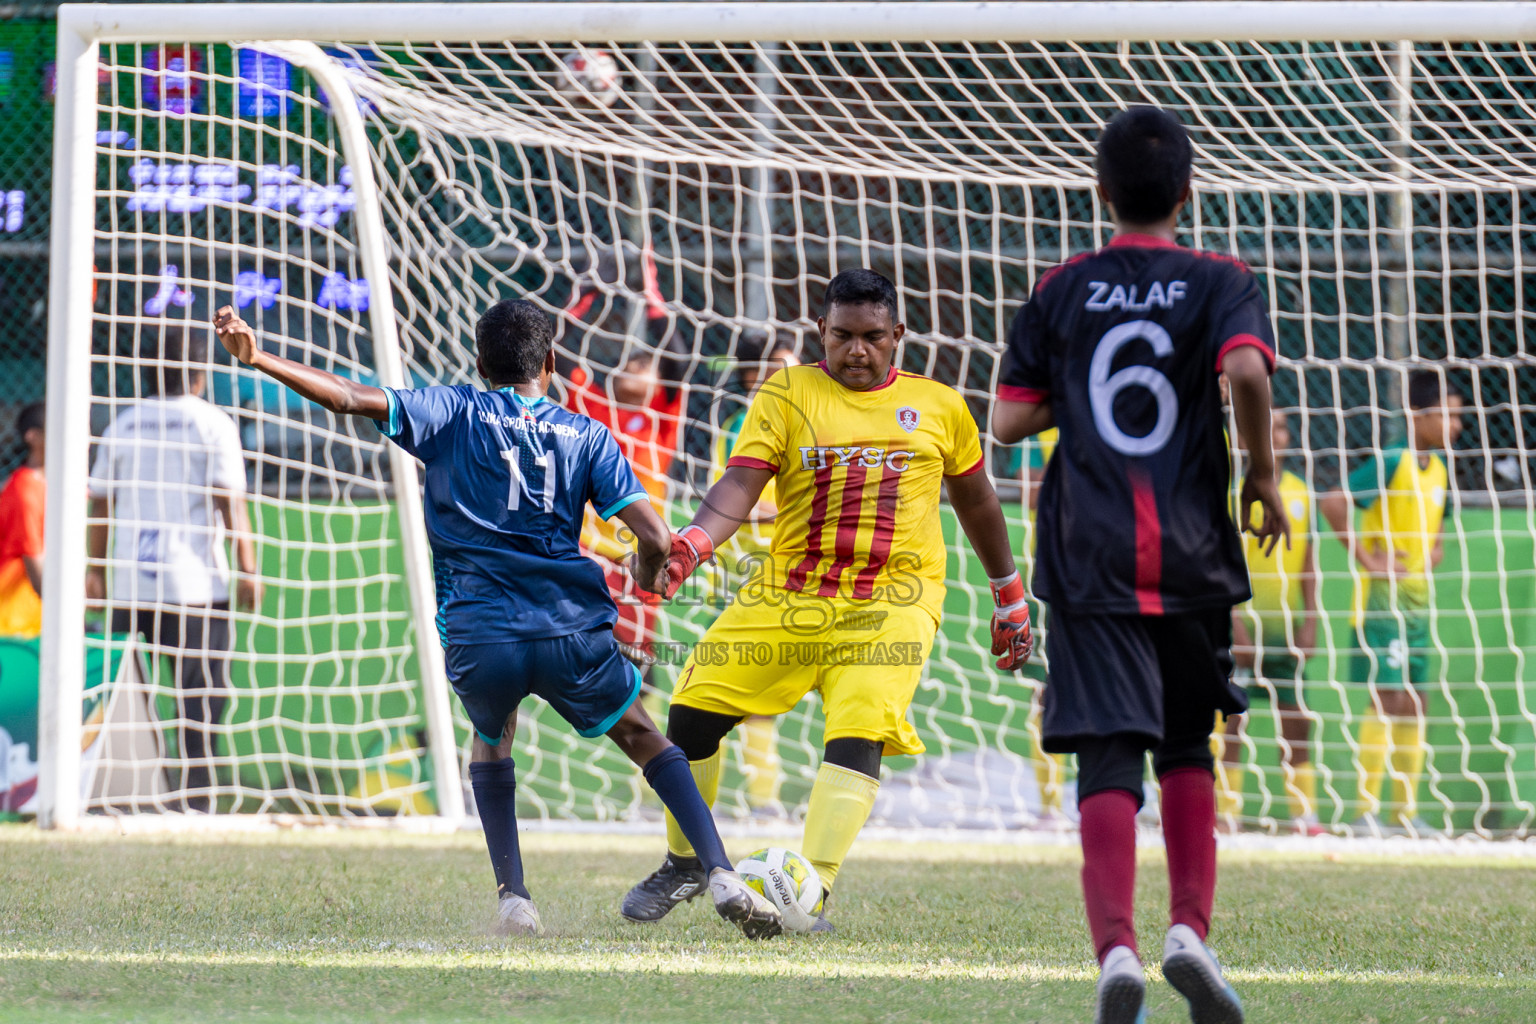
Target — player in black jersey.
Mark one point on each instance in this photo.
(1138, 559)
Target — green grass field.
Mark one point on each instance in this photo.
(358, 927)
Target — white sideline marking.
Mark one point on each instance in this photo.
(1468, 846)
(564, 961)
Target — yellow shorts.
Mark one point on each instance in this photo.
(865, 659)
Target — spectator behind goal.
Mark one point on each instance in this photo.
(641, 405)
(168, 483)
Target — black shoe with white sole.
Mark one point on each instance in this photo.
(678, 880)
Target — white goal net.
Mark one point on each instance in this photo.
(678, 208)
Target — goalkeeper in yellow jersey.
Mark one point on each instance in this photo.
(1403, 495)
(848, 602)
(1271, 637)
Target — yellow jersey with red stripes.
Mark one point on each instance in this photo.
(857, 476)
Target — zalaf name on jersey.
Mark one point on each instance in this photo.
(1126, 344)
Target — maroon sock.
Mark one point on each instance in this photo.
(1109, 868)
(1189, 832)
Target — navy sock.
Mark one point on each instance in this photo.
(495, 785)
(669, 776)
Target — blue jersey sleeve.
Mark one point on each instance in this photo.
(614, 484)
(418, 416)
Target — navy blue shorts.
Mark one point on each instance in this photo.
(582, 676)
(1162, 677)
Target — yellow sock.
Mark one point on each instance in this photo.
(1407, 766)
(1229, 777)
(1301, 789)
(841, 800)
(1230, 780)
(706, 775)
(1373, 763)
(1050, 772)
(760, 751)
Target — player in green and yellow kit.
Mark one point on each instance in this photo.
(1271, 637)
(1402, 495)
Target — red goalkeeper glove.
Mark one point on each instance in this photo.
(1011, 636)
(690, 546)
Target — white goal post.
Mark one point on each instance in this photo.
(465, 151)
(69, 390)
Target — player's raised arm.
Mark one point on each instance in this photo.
(327, 390)
(981, 517)
(1248, 375)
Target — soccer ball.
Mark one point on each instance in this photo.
(591, 76)
(788, 881)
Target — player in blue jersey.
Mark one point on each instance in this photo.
(1137, 557)
(520, 609)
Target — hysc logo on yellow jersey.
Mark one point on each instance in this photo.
(832, 456)
(908, 417)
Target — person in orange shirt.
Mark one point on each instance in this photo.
(641, 405)
(643, 400)
(21, 533)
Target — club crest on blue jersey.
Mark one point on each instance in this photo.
(908, 417)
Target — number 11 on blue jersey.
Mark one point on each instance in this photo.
(515, 484)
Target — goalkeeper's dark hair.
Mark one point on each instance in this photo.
(173, 356)
(1426, 389)
(513, 339)
(1143, 161)
(860, 286)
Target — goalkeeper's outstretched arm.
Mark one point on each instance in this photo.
(327, 390)
(727, 505)
(730, 502)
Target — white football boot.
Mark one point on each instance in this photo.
(1191, 967)
(516, 915)
(744, 906)
(1122, 990)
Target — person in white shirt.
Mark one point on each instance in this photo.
(168, 482)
